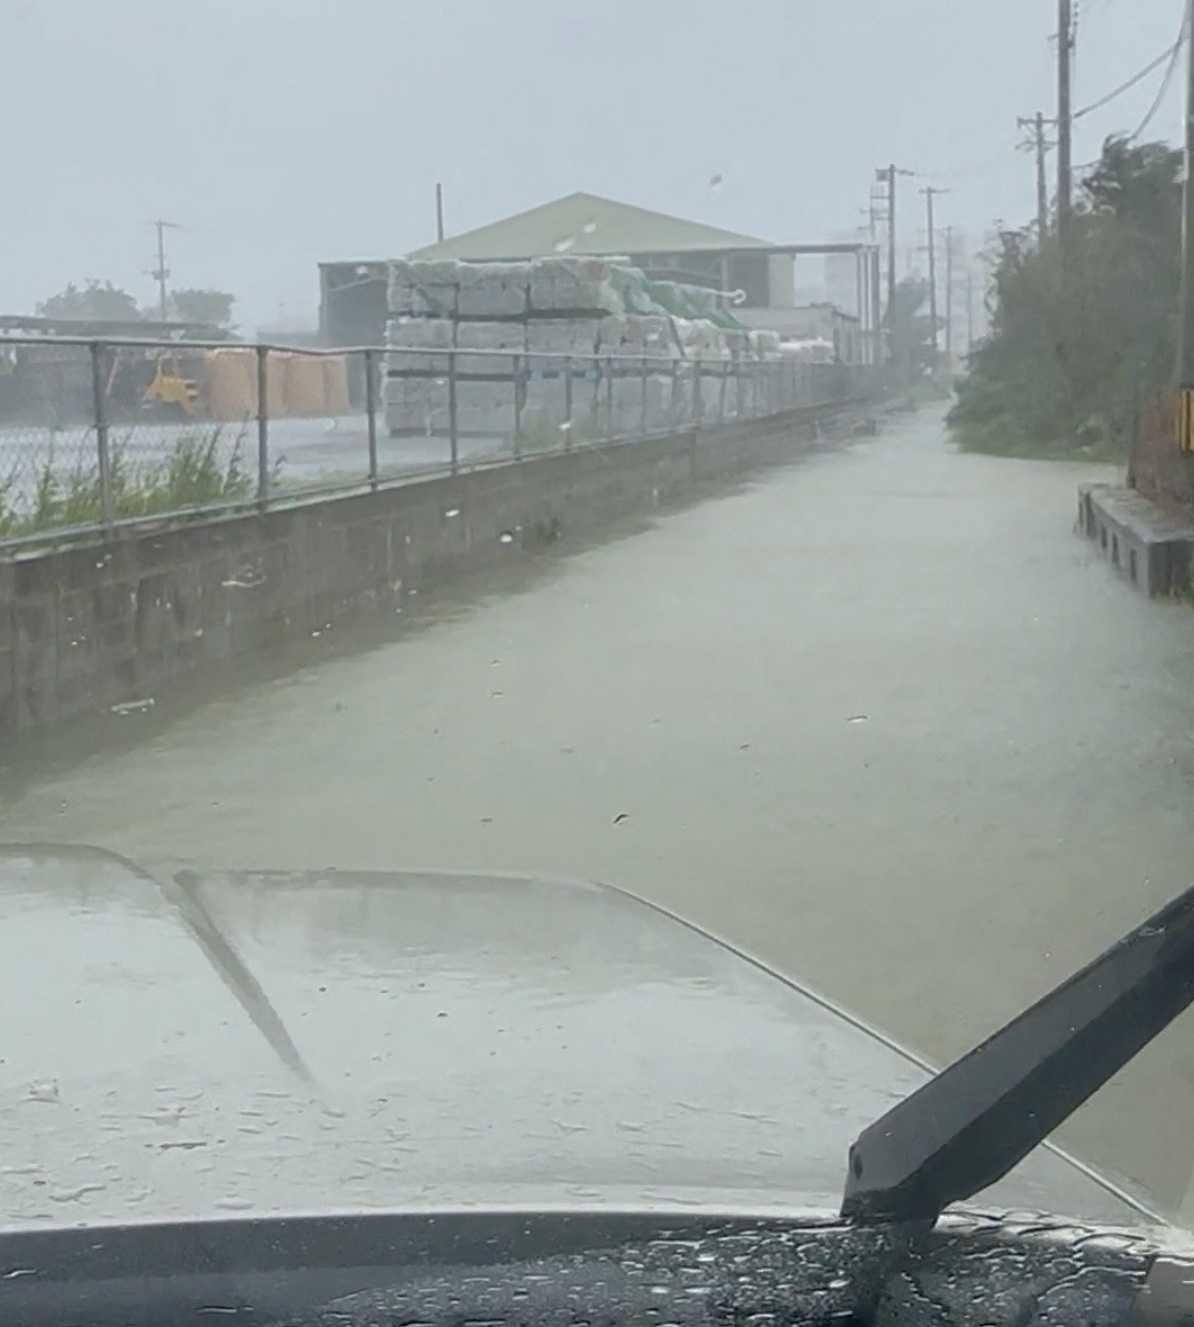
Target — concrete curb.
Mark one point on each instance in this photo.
(1146, 544)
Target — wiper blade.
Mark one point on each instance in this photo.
(977, 1119)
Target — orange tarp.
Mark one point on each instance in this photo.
(335, 385)
(295, 384)
(304, 385)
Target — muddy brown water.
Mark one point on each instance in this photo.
(880, 717)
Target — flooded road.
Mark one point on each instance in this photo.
(880, 718)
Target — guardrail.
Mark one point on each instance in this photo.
(100, 434)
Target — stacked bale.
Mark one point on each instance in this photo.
(640, 346)
(530, 316)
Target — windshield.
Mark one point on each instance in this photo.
(741, 460)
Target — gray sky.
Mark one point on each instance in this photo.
(282, 132)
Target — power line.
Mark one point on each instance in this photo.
(1168, 54)
(1169, 72)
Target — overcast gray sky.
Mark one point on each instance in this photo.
(282, 132)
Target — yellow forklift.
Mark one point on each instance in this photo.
(178, 385)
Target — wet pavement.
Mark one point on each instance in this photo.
(880, 718)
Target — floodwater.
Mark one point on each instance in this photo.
(880, 718)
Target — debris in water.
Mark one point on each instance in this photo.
(487, 820)
(565, 426)
(744, 746)
(133, 706)
(452, 511)
(622, 815)
(505, 537)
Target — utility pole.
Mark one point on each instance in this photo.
(876, 310)
(1185, 366)
(1040, 145)
(949, 294)
(930, 193)
(888, 176)
(161, 272)
(969, 311)
(439, 213)
(1065, 48)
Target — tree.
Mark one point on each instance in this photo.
(97, 300)
(912, 329)
(202, 306)
(1074, 354)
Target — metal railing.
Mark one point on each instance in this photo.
(96, 434)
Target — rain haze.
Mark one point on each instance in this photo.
(281, 133)
(635, 706)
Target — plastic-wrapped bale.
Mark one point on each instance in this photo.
(417, 337)
(505, 337)
(485, 408)
(549, 339)
(764, 343)
(493, 290)
(637, 335)
(737, 341)
(561, 286)
(415, 405)
(423, 289)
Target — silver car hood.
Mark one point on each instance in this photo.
(181, 1046)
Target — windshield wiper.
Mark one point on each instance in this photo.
(967, 1127)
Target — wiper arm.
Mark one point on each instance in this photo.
(980, 1117)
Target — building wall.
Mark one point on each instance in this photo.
(782, 274)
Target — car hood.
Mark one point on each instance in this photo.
(183, 1046)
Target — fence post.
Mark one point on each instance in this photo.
(642, 416)
(609, 397)
(721, 392)
(371, 415)
(516, 379)
(698, 403)
(453, 436)
(262, 425)
(568, 402)
(672, 403)
(103, 459)
(740, 385)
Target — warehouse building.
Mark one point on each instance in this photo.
(352, 306)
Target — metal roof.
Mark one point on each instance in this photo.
(586, 223)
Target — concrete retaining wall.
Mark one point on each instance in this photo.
(113, 621)
(1145, 543)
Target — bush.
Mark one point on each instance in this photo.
(1076, 352)
(192, 475)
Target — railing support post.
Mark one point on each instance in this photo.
(371, 413)
(262, 425)
(99, 389)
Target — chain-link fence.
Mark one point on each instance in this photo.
(94, 433)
